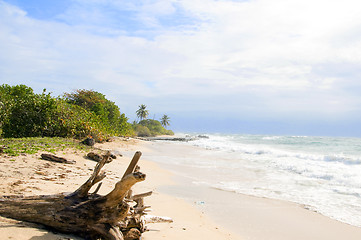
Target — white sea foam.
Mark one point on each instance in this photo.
(319, 172)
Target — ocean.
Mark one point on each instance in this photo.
(321, 173)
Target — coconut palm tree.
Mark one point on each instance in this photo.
(142, 113)
(165, 121)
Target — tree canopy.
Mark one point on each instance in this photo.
(142, 113)
(165, 120)
(109, 113)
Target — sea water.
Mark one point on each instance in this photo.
(321, 173)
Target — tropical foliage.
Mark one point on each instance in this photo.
(79, 114)
(26, 114)
(165, 121)
(150, 127)
(108, 113)
(142, 113)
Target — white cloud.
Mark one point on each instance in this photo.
(261, 57)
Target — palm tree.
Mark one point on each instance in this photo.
(165, 121)
(142, 113)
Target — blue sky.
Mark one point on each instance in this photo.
(258, 66)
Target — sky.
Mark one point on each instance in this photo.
(286, 67)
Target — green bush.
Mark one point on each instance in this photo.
(155, 127)
(112, 120)
(74, 121)
(26, 114)
(82, 113)
(142, 131)
(169, 132)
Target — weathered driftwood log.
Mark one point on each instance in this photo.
(97, 157)
(87, 214)
(94, 156)
(53, 158)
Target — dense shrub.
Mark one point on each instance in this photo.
(74, 121)
(142, 131)
(112, 120)
(155, 128)
(82, 113)
(26, 114)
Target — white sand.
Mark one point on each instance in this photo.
(29, 175)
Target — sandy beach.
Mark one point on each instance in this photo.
(198, 212)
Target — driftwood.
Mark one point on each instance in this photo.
(53, 158)
(89, 215)
(97, 157)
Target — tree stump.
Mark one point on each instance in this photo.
(89, 215)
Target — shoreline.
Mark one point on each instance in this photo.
(247, 216)
(199, 212)
(189, 221)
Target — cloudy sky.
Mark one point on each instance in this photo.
(258, 66)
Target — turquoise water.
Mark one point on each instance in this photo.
(321, 173)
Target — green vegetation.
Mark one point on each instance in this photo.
(24, 113)
(142, 113)
(148, 127)
(142, 131)
(165, 121)
(82, 113)
(108, 114)
(17, 146)
(155, 127)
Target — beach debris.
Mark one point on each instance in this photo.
(156, 219)
(97, 157)
(88, 141)
(116, 153)
(89, 215)
(113, 154)
(94, 156)
(53, 158)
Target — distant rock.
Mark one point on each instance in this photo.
(203, 136)
(180, 139)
